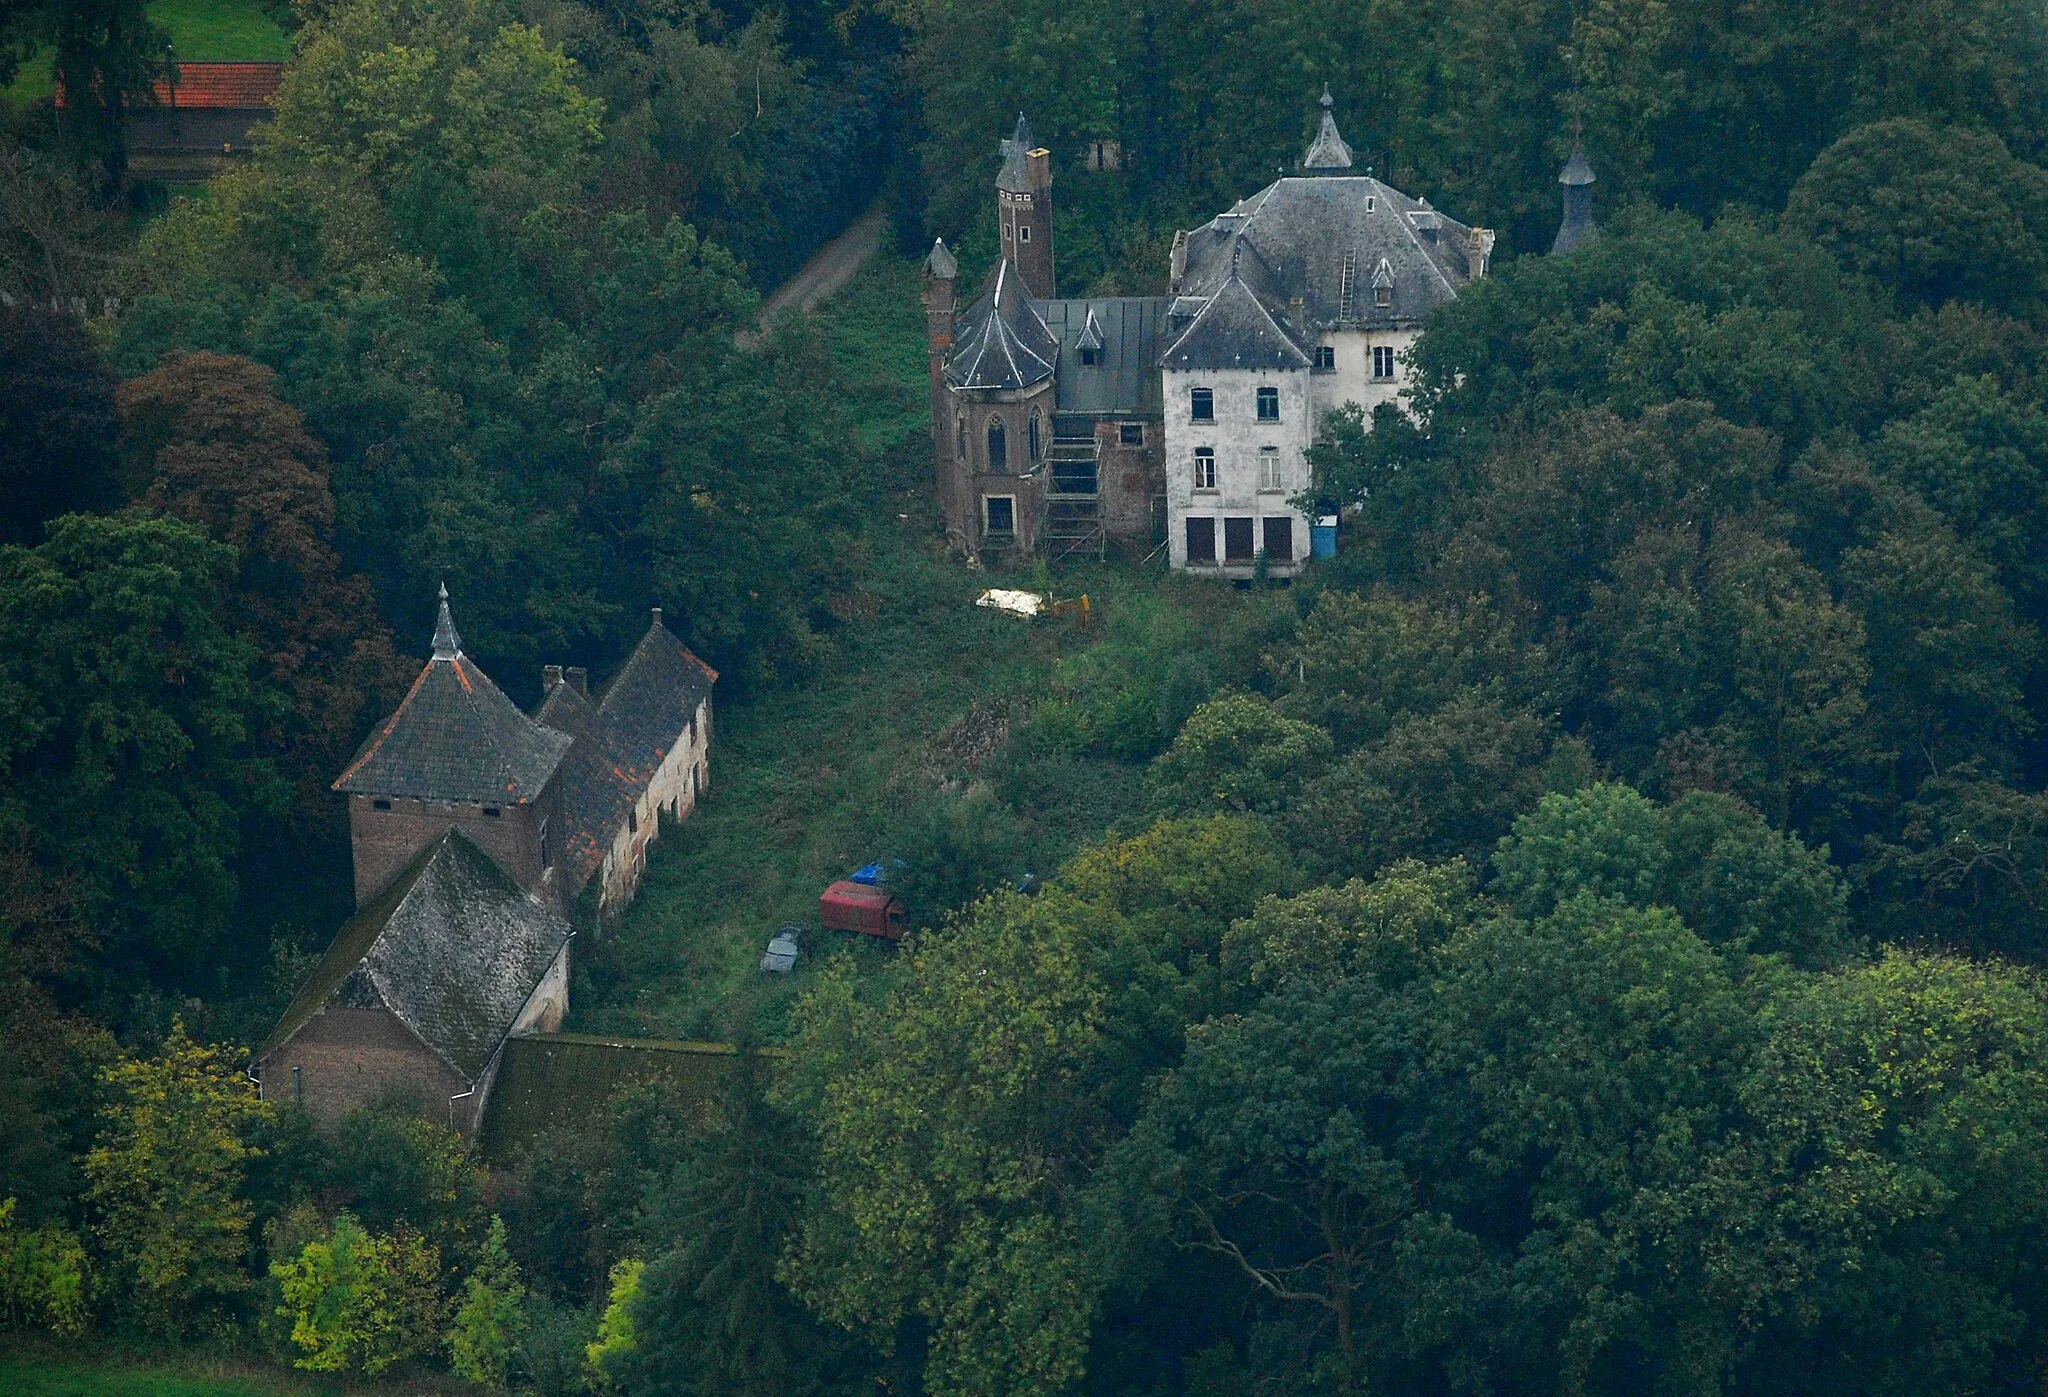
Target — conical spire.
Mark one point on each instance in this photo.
(1577, 224)
(1023, 136)
(940, 264)
(1329, 155)
(447, 644)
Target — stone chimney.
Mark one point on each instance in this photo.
(1479, 252)
(550, 678)
(1177, 267)
(655, 623)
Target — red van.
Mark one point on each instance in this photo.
(848, 906)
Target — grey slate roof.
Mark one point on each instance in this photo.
(621, 740)
(1292, 239)
(1015, 175)
(1002, 342)
(1577, 224)
(454, 949)
(1124, 382)
(1236, 330)
(939, 261)
(1328, 154)
(455, 737)
(1578, 169)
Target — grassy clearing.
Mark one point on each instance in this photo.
(202, 31)
(109, 1368)
(809, 783)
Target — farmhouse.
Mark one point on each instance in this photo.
(475, 831)
(1060, 425)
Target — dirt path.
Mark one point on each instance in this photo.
(831, 268)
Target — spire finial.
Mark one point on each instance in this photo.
(1328, 155)
(1328, 100)
(447, 644)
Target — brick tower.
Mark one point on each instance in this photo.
(1024, 210)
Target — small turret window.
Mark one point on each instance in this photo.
(1036, 449)
(1023, 232)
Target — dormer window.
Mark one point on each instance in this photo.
(1383, 296)
(1371, 203)
(1091, 357)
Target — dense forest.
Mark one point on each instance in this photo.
(1587, 937)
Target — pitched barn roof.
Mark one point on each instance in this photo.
(454, 949)
(455, 737)
(215, 86)
(1002, 342)
(621, 740)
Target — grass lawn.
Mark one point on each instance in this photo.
(808, 783)
(201, 31)
(100, 1368)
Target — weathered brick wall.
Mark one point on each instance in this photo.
(1127, 478)
(386, 841)
(347, 1058)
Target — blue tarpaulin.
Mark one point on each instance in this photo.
(869, 873)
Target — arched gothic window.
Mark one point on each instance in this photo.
(998, 447)
(960, 438)
(1036, 448)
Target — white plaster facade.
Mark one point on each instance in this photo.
(1239, 439)
(683, 776)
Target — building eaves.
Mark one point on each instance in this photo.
(1004, 344)
(1236, 330)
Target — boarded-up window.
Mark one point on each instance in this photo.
(1237, 540)
(1201, 540)
(1279, 540)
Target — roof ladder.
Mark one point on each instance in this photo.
(1345, 282)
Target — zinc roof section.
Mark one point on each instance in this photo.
(1002, 342)
(1131, 329)
(454, 950)
(457, 738)
(1301, 230)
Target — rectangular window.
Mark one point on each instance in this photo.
(1023, 232)
(1279, 539)
(1205, 468)
(1089, 356)
(1001, 513)
(381, 803)
(1383, 296)
(492, 811)
(1006, 232)
(1382, 361)
(1201, 540)
(1202, 404)
(1269, 468)
(1371, 203)
(1326, 356)
(1131, 433)
(1269, 405)
(1237, 540)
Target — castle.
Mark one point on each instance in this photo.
(1061, 425)
(475, 830)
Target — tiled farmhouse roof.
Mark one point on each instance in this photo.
(1002, 342)
(216, 86)
(454, 949)
(621, 740)
(455, 738)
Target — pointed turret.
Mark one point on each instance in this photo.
(1024, 208)
(447, 644)
(1328, 155)
(1577, 225)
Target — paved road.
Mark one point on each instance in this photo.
(831, 268)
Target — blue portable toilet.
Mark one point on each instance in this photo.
(1322, 537)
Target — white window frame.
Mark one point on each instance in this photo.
(1263, 394)
(1023, 232)
(1269, 469)
(1383, 354)
(1205, 469)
